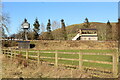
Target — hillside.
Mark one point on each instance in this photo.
(72, 30)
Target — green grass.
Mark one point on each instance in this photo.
(47, 54)
(72, 56)
(98, 58)
(87, 64)
(84, 50)
(76, 56)
(88, 57)
(98, 65)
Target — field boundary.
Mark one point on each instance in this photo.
(115, 59)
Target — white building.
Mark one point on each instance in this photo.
(86, 34)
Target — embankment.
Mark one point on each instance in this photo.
(73, 45)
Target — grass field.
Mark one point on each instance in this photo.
(86, 50)
(76, 56)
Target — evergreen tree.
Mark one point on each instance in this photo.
(49, 33)
(64, 34)
(87, 24)
(48, 26)
(108, 31)
(36, 29)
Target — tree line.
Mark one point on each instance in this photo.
(40, 33)
(107, 35)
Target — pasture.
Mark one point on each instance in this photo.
(76, 56)
(102, 61)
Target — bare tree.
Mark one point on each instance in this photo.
(115, 32)
(19, 34)
(42, 28)
(4, 20)
(55, 25)
(31, 35)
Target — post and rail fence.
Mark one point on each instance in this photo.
(115, 58)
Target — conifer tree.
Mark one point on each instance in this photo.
(87, 24)
(36, 29)
(64, 34)
(49, 33)
(48, 26)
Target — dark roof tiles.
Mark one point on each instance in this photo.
(88, 29)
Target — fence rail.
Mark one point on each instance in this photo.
(115, 58)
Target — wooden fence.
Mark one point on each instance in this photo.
(115, 58)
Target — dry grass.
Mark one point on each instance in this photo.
(14, 69)
(73, 29)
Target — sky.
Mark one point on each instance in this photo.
(60, 0)
(71, 12)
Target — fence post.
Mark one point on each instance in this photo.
(80, 61)
(5, 52)
(119, 63)
(115, 65)
(26, 54)
(56, 59)
(38, 57)
(8, 52)
(14, 53)
(11, 53)
(19, 51)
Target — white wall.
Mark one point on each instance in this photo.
(89, 38)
